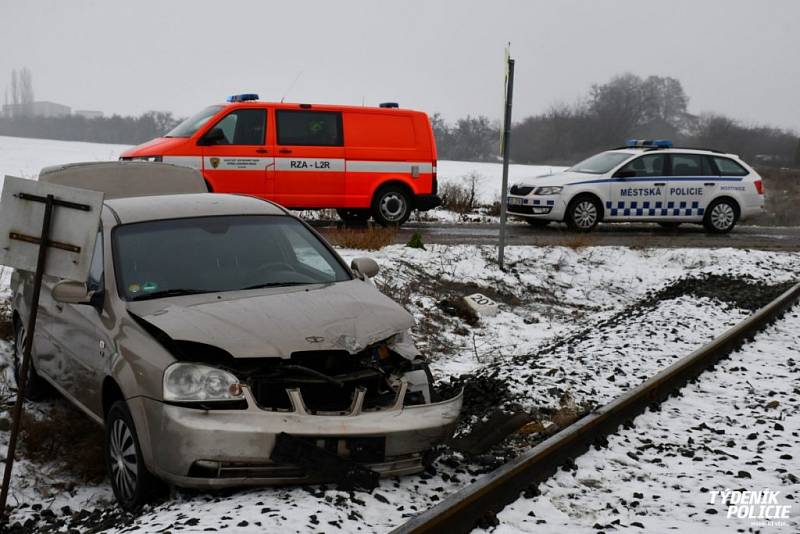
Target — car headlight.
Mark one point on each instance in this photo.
(548, 190)
(190, 382)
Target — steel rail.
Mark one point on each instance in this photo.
(463, 510)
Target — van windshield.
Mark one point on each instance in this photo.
(166, 258)
(600, 163)
(189, 126)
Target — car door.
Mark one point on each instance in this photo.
(238, 154)
(692, 184)
(82, 342)
(309, 165)
(637, 188)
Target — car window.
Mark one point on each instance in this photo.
(215, 254)
(600, 163)
(95, 280)
(240, 127)
(309, 128)
(691, 165)
(728, 167)
(649, 165)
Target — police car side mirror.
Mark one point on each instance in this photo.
(213, 137)
(625, 174)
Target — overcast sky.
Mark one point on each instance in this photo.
(738, 57)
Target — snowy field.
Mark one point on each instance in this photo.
(737, 427)
(592, 297)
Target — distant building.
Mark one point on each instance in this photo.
(36, 109)
(88, 113)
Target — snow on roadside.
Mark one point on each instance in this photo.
(488, 175)
(736, 428)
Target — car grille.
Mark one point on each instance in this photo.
(521, 190)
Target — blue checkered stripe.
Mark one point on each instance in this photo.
(539, 202)
(657, 208)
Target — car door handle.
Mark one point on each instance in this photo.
(285, 151)
(262, 150)
(660, 183)
(709, 184)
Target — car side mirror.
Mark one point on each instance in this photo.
(213, 137)
(365, 267)
(72, 292)
(625, 174)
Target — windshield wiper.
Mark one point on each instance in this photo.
(171, 293)
(275, 284)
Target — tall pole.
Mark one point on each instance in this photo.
(26, 352)
(506, 143)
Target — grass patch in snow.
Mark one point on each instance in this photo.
(370, 238)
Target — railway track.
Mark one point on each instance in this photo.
(465, 509)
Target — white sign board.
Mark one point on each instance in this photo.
(72, 231)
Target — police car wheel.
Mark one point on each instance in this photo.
(537, 223)
(391, 207)
(36, 388)
(583, 214)
(721, 216)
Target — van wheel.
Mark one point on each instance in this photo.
(391, 206)
(583, 214)
(130, 480)
(353, 217)
(721, 216)
(36, 388)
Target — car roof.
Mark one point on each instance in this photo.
(674, 150)
(116, 179)
(152, 208)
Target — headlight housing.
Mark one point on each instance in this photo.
(191, 382)
(548, 190)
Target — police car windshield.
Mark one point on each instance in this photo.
(188, 127)
(600, 163)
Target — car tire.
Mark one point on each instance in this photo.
(537, 223)
(36, 389)
(131, 482)
(670, 225)
(583, 213)
(721, 216)
(353, 217)
(391, 206)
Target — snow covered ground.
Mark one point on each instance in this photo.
(736, 428)
(592, 297)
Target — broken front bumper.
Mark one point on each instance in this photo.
(222, 448)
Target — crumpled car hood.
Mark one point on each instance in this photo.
(278, 321)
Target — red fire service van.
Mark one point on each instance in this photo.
(363, 161)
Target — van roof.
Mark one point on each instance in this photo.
(120, 179)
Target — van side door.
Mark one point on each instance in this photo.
(238, 154)
(309, 164)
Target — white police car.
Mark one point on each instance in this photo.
(644, 181)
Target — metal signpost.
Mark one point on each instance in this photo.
(50, 230)
(506, 141)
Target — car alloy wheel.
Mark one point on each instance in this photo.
(722, 216)
(584, 214)
(123, 464)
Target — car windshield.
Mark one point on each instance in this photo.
(189, 126)
(173, 257)
(600, 163)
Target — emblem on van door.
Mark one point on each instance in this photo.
(315, 339)
(214, 162)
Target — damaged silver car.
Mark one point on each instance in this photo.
(222, 342)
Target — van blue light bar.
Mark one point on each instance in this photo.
(657, 143)
(242, 98)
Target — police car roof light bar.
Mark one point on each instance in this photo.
(649, 143)
(243, 97)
